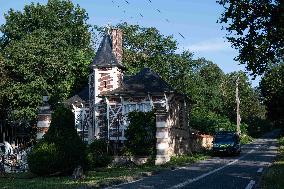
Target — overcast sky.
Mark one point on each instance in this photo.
(191, 22)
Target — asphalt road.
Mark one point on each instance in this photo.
(241, 172)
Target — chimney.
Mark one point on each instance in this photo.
(116, 36)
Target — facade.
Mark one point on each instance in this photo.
(112, 95)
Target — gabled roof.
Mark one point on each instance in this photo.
(104, 56)
(144, 82)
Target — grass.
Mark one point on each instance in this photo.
(184, 159)
(94, 179)
(273, 178)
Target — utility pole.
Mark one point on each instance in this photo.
(238, 106)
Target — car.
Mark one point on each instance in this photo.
(226, 142)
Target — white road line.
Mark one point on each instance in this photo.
(250, 184)
(189, 181)
(260, 170)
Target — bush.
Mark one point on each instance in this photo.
(141, 134)
(61, 150)
(98, 154)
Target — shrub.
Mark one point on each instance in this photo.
(61, 150)
(98, 154)
(42, 159)
(141, 134)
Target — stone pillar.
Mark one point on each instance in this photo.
(162, 136)
(44, 118)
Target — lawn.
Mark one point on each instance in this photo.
(94, 179)
(273, 178)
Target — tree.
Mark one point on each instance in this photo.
(141, 134)
(272, 90)
(4, 82)
(215, 102)
(61, 150)
(47, 51)
(250, 105)
(256, 29)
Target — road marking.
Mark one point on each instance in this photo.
(250, 184)
(189, 181)
(260, 170)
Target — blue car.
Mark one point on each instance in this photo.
(226, 142)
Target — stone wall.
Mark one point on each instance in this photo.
(200, 142)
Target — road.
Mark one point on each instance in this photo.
(241, 172)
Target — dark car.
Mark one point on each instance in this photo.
(227, 143)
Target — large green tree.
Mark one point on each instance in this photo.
(256, 29)
(47, 50)
(272, 90)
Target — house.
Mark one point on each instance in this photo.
(111, 95)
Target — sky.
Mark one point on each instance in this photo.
(193, 23)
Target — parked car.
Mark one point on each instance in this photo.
(226, 142)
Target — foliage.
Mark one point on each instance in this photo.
(272, 90)
(4, 82)
(185, 159)
(245, 139)
(98, 154)
(141, 133)
(207, 93)
(61, 149)
(210, 122)
(214, 94)
(250, 106)
(47, 50)
(256, 29)
(43, 158)
(258, 126)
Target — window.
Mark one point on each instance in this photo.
(142, 107)
(105, 84)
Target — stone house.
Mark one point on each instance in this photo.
(111, 95)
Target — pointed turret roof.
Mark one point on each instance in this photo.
(104, 56)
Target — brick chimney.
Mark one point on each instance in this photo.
(116, 36)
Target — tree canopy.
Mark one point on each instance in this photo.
(46, 51)
(272, 90)
(256, 29)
